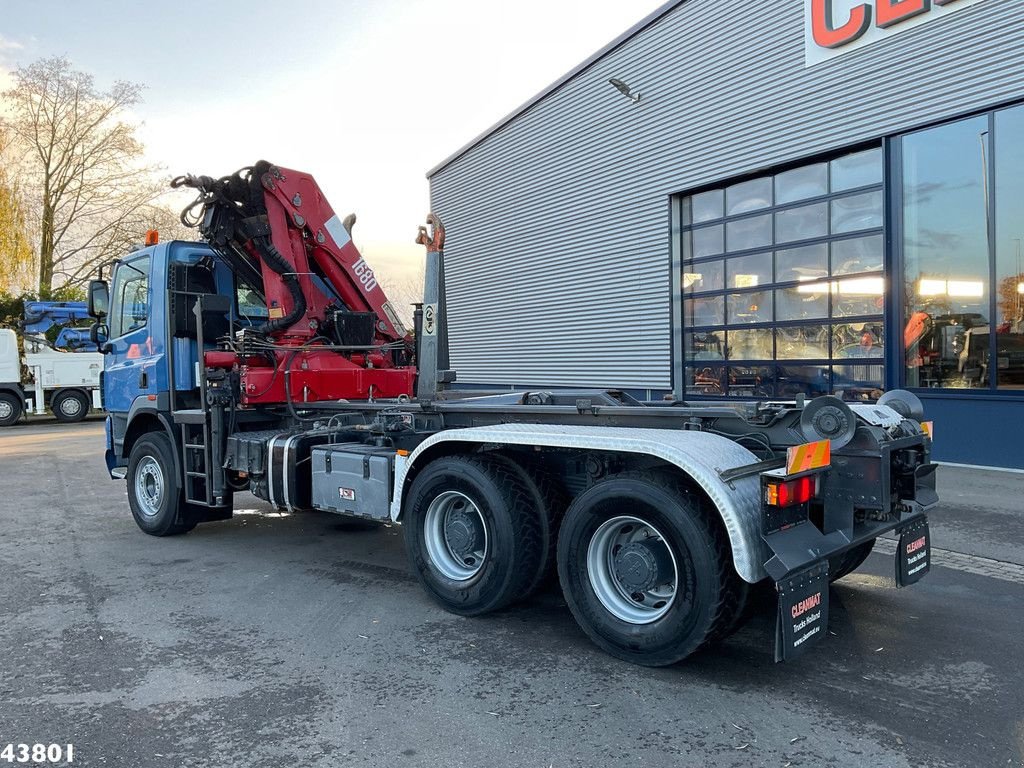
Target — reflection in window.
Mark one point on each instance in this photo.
(801, 184)
(748, 196)
(706, 276)
(131, 294)
(859, 254)
(782, 315)
(804, 223)
(750, 271)
(750, 344)
(751, 232)
(857, 212)
(750, 307)
(807, 263)
(946, 255)
(858, 170)
(802, 342)
(1009, 186)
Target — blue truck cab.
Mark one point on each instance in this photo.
(152, 340)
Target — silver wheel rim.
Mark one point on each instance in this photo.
(632, 570)
(455, 536)
(149, 486)
(6, 409)
(70, 406)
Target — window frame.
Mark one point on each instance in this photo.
(139, 272)
(685, 368)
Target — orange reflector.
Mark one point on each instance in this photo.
(791, 492)
(928, 427)
(152, 237)
(402, 452)
(804, 458)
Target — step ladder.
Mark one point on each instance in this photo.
(196, 461)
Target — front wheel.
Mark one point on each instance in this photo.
(70, 406)
(10, 409)
(645, 569)
(154, 494)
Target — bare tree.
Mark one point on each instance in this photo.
(403, 290)
(83, 167)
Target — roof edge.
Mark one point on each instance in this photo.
(630, 33)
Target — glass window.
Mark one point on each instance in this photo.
(828, 293)
(705, 345)
(750, 344)
(131, 296)
(706, 276)
(802, 342)
(809, 380)
(706, 380)
(858, 296)
(801, 183)
(859, 382)
(748, 233)
(750, 307)
(861, 254)
(858, 341)
(1009, 197)
(748, 196)
(807, 263)
(706, 206)
(701, 311)
(805, 223)
(946, 255)
(750, 271)
(858, 170)
(753, 381)
(705, 241)
(857, 212)
(803, 302)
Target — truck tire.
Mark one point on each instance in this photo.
(646, 571)
(849, 561)
(550, 502)
(473, 534)
(10, 409)
(153, 491)
(70, 405)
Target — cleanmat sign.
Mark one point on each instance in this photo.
(836, 27)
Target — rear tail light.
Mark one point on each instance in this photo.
(789, 493)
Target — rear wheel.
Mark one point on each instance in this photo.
(70, 405)
(473, 534)
(849, 561)
(645, 569)
(153, 491)
(10, 409)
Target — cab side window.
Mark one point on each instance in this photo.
(131, 296)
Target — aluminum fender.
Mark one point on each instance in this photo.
(700, 455)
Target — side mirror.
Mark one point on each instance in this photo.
(98, 335)
(99, 299)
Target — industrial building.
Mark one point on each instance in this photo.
(759, 200)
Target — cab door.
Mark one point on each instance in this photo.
(133, 354)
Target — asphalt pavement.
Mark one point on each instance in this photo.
(272, 640)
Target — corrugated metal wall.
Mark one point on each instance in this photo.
(559, 243)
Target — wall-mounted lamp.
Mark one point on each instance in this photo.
(625, 90)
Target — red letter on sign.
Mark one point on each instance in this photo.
(894, 11)
(829, 36)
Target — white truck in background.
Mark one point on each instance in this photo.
(65, 381)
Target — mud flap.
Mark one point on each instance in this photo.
(914, 554)
(802, 617)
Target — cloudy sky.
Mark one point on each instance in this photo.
(365, 94)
